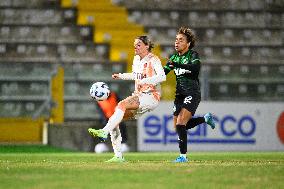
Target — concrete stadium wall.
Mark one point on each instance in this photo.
(74, 135)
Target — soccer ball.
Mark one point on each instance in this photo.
(99, 91)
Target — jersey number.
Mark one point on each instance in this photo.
(187, 100)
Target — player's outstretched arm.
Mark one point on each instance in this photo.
(123, 76)
(115, 76)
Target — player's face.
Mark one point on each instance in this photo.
(181, 44)
(140, 48)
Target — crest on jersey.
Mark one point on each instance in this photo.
(185, 61)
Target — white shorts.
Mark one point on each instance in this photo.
(147, 103)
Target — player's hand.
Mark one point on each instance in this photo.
(115, 76)
(139, 85)
(171, 63)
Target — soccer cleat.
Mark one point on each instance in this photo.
(102, 135)
(116, 160)
(209, 120)
(180, 159)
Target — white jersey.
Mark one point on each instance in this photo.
(148, 73)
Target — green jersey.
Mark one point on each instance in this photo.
(186, 68)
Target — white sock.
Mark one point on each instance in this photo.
(183, 155)
(114, 120)
(115, 137)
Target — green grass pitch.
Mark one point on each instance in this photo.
(42, 167)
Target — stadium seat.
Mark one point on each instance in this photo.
(24, 88)
(204, 5)
(80, 110)
(83, 52)
(50, 52)
(44, 34)
(32, 16)
(28, 3)
(280, 89)
(261, 89)
(87, 70)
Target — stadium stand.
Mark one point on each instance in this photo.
(78, 78)
(208, 5)
(27, 100)
(235, 35)
(51, 52)
(48, 64)
(44, 33)
(112, 24)
(36, 16)
(24, 88)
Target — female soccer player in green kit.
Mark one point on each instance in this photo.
(186, 65)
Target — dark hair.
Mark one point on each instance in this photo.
(190, 37)
(145, 39)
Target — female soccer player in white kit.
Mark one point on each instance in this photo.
(148, 73)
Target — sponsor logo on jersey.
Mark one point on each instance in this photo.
(139, 75)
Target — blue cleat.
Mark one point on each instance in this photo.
(180, 159)
(209, 120)
(98, 133)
